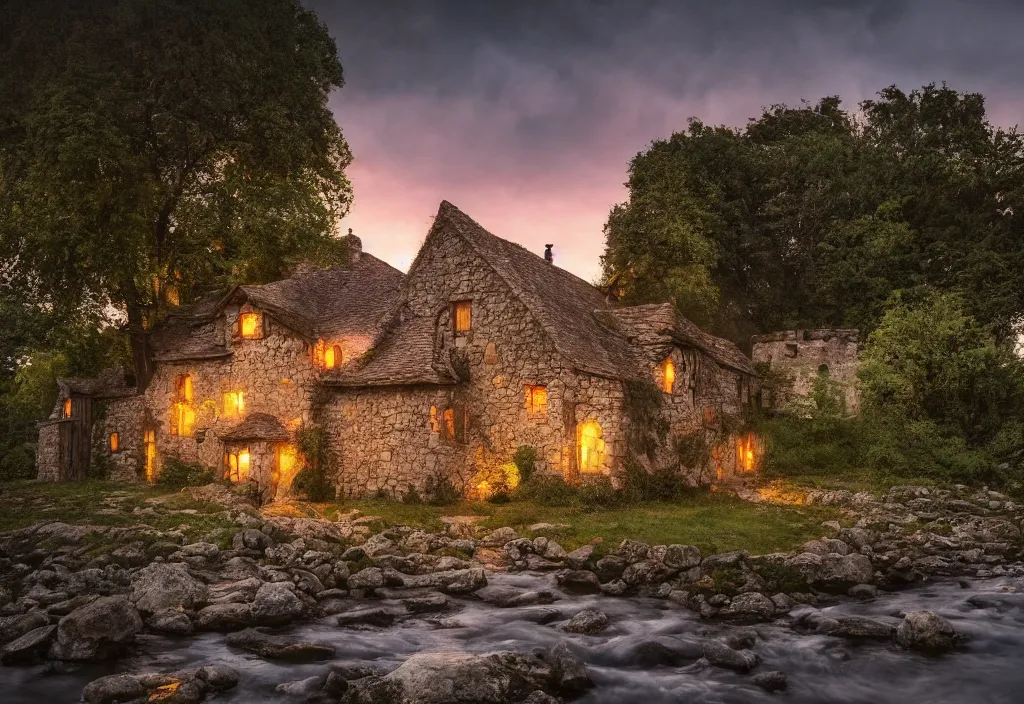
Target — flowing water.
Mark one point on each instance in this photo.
(989, 669)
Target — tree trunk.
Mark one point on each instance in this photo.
(138, 336)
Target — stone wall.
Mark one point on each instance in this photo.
(122, 416)
(801, 355)
(48, 452)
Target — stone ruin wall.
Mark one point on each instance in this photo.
(800, 354)
(122, 416)
(48, 452)
(385, 436)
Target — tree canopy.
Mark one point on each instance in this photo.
(814, 216)
(151, 151)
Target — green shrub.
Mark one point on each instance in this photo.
(16, 463)
(547, 490)
(411, 496)
(176, 473)
(663, 484)
(525, 460)
(314, 479)
(440, 491)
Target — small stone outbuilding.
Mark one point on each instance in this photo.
(804, 356)
(442, 373)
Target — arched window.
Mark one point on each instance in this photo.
(332, 357)
(591, 447)
(823, 369)
(668, 375)
(183, 388)
(249, 325)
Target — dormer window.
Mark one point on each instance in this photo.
(462, 311)
(332, 357)
(668, 376)
(250, 326)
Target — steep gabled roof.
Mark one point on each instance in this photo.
(258, 426)
(659, 323)
(333, 302)
(562, 303)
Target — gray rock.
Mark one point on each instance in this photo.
(366, 617)
(454, 678)
(633, 551)
(772, 681)
(721, 655)
(928, 632)
(609, 568)
(858, 628)
(250, 539)
(541, 697)
(203, 550)
(682, 557)
(276, 604)
(723, 561)
(171, 621)
(451, 582)
(510, 597)
(224, 617)
(863, 592)
(615, 588)
(219, 677)
(112, 689)
(742, 639)
(163, 586)
(432, 603)
(367, 578)
(583, 581)
(29, 648)
(587, 621)
(645, 572)
(280, 647)
(568, 673)
(97, 631)
(579, 557)
(12, 627)
(753, 606)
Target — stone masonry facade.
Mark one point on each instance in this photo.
(804, 356)
(441, 374)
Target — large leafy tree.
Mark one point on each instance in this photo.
(153, 150)
(811, 216)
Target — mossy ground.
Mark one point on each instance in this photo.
(713, 521)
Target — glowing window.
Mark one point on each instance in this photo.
(463, 316)
(746, 456)
(456, 422)
(287, 459)
(183, 388)
(332, 357)
(236, 465)
(249, 325)
(66, 412)
(115, 442)
(591, 447)
(234, 403)
(435, 425)
(149, 445)
(668, 376)
(536, 400)
(183, 420)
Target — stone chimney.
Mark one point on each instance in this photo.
(549, 256)
(355, 247)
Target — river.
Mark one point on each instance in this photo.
(989, 669)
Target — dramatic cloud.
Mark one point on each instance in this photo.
(526, 114)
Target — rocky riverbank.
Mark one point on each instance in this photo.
(73, 595)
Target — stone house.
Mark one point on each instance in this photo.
(444, 372)
(803, 356)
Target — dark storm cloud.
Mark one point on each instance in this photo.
(526, 113)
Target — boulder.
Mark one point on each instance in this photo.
(450, 582)
(587, 621)
(172, 622)
(112, 689)
(356, 618)
(162, 586)
(280, 647)
(772, 681)
(29, 648)
(12, 627)
(682, 557)
(633, 551)
(928, 632)
(645, 572)
(97, 631)
(276, 604)
(367, 578)
(857, 627)
(583, 581)
(609, 568)
(750, 607)
(568, 673)
(510, 597)
(721, 655)
(454, 678)
(224, 617)
(579, 557)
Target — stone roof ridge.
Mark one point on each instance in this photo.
(561, 302)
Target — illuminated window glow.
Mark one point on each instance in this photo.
(536, 400)
(66, 413)
(332, 357)
(183, 388)
(249, 325)
(463, 316)
(668, 378)
(115, 442)
(591, 447)
(746, 455)
(234, 403)
(149, 445)
(455, 424)
(183, 420)
(236, 465)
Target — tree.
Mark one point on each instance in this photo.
(812, 217)
(150, 152)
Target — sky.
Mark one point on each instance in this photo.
(525, 114)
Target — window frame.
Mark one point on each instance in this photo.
(237, 454)
(67, 409)
(536, 410)
(114, 442)
(257, 332)
(668, 376)
(183, 388)
(236, 408)
(455, 424)
(458, 307)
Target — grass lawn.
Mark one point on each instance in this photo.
(714, 522)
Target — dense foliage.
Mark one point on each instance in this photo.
(814, 217)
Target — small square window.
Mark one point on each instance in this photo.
(536, 401)
(463, 311)
(249, 326)
(332, 357)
